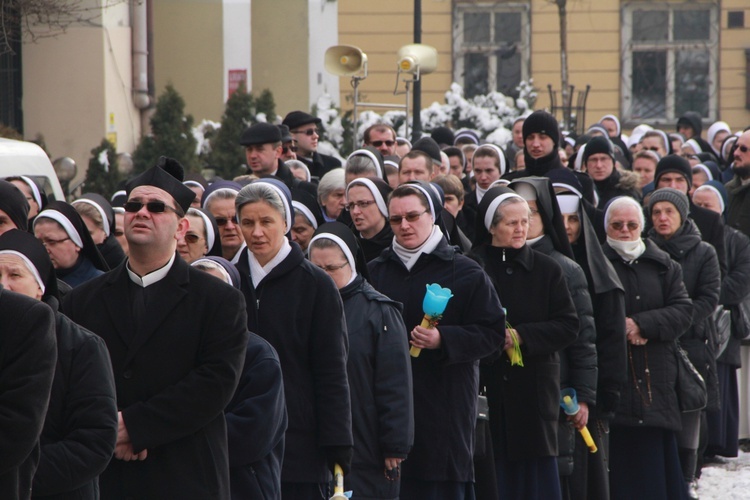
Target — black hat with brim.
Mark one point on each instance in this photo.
(296, 119)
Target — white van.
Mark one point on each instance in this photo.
(26, 158)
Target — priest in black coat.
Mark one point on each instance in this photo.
(177, 339)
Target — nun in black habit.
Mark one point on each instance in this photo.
(296, 307)
(81, 419)
(523, 400)
(578, 363)
(68, 242)
(590, 477)
(14, 209)
(378, 367)
(445, 375)
(109, 247)
(369, 220)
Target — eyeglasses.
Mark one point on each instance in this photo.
(154, 207)
(310, 131)
(395, 220)
(192, 238)
(286, 149)
(377, 144)
(742, 148)
(53, 243)
(618, 225)
(359, 204)
(332, 268)
(222, 221)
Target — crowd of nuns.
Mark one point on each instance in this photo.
(590, 264)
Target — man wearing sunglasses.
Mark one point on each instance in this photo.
(382, 137)
(305, 129)
(738, 209)
(264, 151)
(177, 338)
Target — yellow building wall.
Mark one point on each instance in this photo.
(593, 52)
(188, 48)
(64, 96)
(594, 46)
(280, 52)
(380, 29)
(733, 69)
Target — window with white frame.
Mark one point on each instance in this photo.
(491, 46)
(670, 60)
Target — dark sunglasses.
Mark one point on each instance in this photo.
(286, 149)
(222, 221)
(617, 226)
(395, 220)
(310, 131)
(192, 238)
(377, 144)
(744, 149)
(155, 207)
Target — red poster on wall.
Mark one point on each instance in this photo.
(236, 77)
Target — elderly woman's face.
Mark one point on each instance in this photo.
(264, 230)
(192, 245)
(410, 233)
(96, 232)
(624, 223)
(666, 219)
(62, 251)
(333, 262)
(26, 190)
(512, 230)
(334, 203)
(302, 231)
(17, 277)
(707, 199)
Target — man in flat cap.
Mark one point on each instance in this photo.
(263, 150)
(177, 339)
(304, 129)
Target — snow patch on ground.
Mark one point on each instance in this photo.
(726, 479)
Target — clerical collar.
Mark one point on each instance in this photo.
(153, 276)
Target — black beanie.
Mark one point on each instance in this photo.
(673, 163)
(443, 136)
(13, 203)
(599, 145)
(429, 146)
(541, 122)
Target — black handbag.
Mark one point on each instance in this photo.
(690, 386)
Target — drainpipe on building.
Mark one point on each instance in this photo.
(141, 96)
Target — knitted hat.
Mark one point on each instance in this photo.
(599, 145)
(429, 146)
(541, 122)
(673, 196)
(674, 163)
(443, 135)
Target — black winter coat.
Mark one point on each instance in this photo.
(578, 365)
(299, 311)
(174, 377)
(27, 366)
(656, 299)
(524, 401)
(256, 422)
(381, 387)
(735, 287)
(112, 251)
(446, 380)
(617, 184)
(700, 273)
(80, 428)
(738, 210)
(320, 164)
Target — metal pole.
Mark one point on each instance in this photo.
(417, 99)
(355, 82)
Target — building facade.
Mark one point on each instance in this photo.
(645, 61)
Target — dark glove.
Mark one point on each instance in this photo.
(341, 455)
(607, 404)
